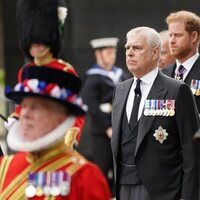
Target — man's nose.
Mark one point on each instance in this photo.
(131, 52)
(25, 111)
(172, 39)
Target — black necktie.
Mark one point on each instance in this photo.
(180, 72)
(136, 104)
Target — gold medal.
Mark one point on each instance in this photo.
(194, 86)
(39, 192)
(198, 92)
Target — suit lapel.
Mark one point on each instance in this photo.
(118, 109)
(194, 73)
(157, 92)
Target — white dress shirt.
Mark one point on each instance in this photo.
(145, 86)
(187, 64)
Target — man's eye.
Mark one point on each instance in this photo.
(137, 49)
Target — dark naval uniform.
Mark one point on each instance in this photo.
(97, 94)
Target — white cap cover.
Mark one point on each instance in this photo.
(104, 42)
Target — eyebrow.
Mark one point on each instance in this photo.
(133, 45)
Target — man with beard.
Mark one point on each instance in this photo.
(184, 33)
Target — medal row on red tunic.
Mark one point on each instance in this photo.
(48, 184)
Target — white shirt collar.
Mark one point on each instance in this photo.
(150, 77)
(188, 63)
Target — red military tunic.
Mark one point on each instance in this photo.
(87, 181)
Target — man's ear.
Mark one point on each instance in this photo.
(194, 37)
(155, 52)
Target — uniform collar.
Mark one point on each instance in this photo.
(47, 153)
(16, 143)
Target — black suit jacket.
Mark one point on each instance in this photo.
(194, 73)
(167, 170)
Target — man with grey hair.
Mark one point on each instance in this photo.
(165, 58)
(152, 142)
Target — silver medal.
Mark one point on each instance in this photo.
(30, 191)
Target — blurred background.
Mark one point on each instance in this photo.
(87, 19)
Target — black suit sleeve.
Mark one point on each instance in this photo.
(1, 152)
(92, 95)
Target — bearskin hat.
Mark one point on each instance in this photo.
(38, 21)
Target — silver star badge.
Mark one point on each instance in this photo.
(160, 134)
